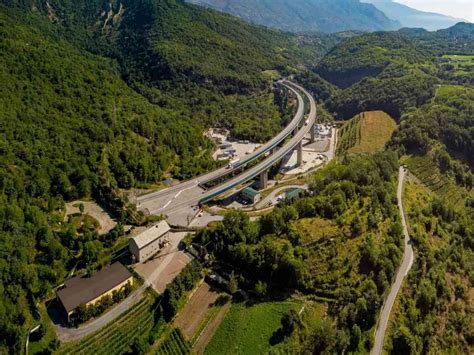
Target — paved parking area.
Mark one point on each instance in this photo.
(205, 219)
(163, 268)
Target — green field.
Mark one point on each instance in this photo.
(117, 336)
(463, 64)
(366, 133)
(249, 329)
(174, 344)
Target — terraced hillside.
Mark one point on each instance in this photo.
(426, 170)
(368, 132)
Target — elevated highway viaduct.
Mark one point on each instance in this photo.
(179, 202)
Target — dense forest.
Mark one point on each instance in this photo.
(101, 96)
(92, 104)
(444, 127)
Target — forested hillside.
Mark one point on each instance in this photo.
(445, 128)
(433, 313)
(393, 71)
(94, 99)
(425, 80)
(367, 56)
(339, 244)
(99, 96)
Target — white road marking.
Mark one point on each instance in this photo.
(166, 205)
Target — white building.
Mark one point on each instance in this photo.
(148, 243)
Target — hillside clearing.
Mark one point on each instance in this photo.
(249, 329)
(366, 133)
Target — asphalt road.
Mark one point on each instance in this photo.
(270, 160)
(271, 199)
(407, 262)
(178, 202)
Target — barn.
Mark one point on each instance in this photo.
(87, 291)
(146, 244)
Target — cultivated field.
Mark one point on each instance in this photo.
(426, 170)
(249, 329)
(174, 344)
(116, 337)
(195, 312)
(368, 132)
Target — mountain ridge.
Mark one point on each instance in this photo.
(306, 15)
(413, 18)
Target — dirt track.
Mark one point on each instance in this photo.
(93, 210)
(195, 311)
(210, 330)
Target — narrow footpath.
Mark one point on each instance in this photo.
(407, 262)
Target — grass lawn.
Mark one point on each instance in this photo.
(249, 329)
(84, 222)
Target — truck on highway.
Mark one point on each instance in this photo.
(232, 164)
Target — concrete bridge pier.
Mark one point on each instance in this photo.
(263, 180)
(313, 134)
(299, 149)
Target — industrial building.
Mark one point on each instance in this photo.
(90, 290)
(294, 193)
(148, 243)
(251, 195)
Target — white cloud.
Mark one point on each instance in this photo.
(457, 8)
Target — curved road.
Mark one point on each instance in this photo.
(270, 160)
(213, 175)
(407, 262)
(273, 195)
(179, 202)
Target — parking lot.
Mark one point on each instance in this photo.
(229, 148)
(160, 270)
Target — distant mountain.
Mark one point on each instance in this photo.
(458, 39)
(410, 17)
(306, 15)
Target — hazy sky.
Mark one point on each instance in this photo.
(457, 8)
